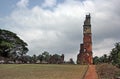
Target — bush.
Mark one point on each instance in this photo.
(107, 71)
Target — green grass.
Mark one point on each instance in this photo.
(41, 71)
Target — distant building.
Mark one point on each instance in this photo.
(85, 53)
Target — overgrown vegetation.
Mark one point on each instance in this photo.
(108, 66)
(107, 71)
(115, 55)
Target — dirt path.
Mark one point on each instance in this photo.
(91, 73)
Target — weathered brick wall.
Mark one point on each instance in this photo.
(85, 54)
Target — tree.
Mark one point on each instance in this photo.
(56, 59)
(11, 46)
(115, 55)
(102, 59)
(40, 57)
(46, 56)
(105, 58)
(5, 48)
(71, 61)
(34, 58)
(27, 59)
(96, 60)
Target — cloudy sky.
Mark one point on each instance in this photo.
(56, 25)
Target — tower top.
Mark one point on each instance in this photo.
(88, 16)
(87, 20)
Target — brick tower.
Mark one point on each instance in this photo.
(85, 53)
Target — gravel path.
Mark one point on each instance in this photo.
(91, 73)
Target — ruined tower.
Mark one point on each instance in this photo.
(85, 53)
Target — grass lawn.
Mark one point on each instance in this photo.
(41, 71)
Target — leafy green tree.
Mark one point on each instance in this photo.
(71, 61)
(96, 60)
(56, 59)
(40, 58)
(34, 58)
(46, 56)
(29, 59)
(102, 59)
(115, 55)
(5, 48)
(105, 58)
(11, 46)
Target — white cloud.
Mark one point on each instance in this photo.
(49, 3)
(60, 30)
(103, 47)
(22, 3)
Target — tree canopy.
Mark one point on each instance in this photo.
(11, 46)
(113, 57)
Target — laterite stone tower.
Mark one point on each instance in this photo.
(85, 53)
